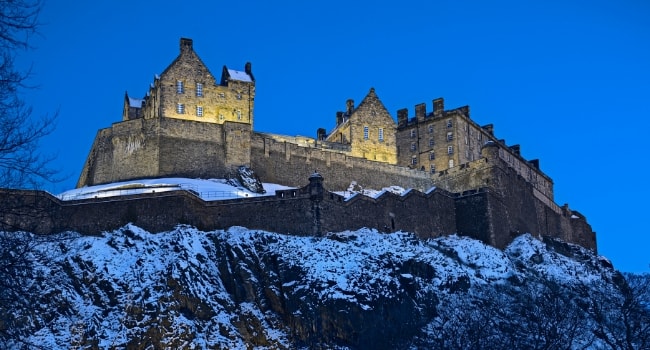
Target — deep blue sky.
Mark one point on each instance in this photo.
(567, 80)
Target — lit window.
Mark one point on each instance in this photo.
(381, 134)
(430, 128)
(432, 156)
(414, 160)
(449, 124)
(412, 132)
(179, 87)
(430, 142)
(450, 136)
(180, 108)
(199, 111)
(450, 149)
(238, 115)
(199, 90)
(413, 148)
(365, 132)
(433, 169)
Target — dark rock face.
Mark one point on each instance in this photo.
(247, 178)
(363, 289)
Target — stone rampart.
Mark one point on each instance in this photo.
(145, 148)
(291, 211)
(286, 163)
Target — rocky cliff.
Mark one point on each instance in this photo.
(243, 289)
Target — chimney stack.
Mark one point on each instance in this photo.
(438, 107)
(186, 44)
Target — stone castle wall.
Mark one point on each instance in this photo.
(43, 213)
(509, 207)
(146, 148)
(286, 163)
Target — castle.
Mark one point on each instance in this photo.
(190, 124)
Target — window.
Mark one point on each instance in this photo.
(414, 160)
(222, 95)
(451, 163)
(450, 149)
(199, 90)
(381, 134)
(199, 111)
(179, 87)
(180, 108)
(413, 148)
(480, 136)
(412, 132)
(466, 141)
(449, 124)
(433, 169)
(450, 136)
(239, 95)
(432, 156)
(430, 128)
(238, 114)
(431, 142)
(221, 117)
(365, 132)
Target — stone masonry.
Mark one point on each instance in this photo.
(191, 124)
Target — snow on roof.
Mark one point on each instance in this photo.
(135, 102)
(208, 190)
(239, 75)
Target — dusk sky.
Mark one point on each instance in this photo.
(567, 80)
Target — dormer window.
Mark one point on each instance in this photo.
(179, 87)
(199, 90)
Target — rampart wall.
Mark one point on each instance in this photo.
(290, 211)
(144, 148)
(286, 163)
(508, 208)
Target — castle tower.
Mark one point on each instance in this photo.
(188, 124)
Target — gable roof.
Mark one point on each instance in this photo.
(186, 48)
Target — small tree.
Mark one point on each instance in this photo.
(22, 165)
(624, 320)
